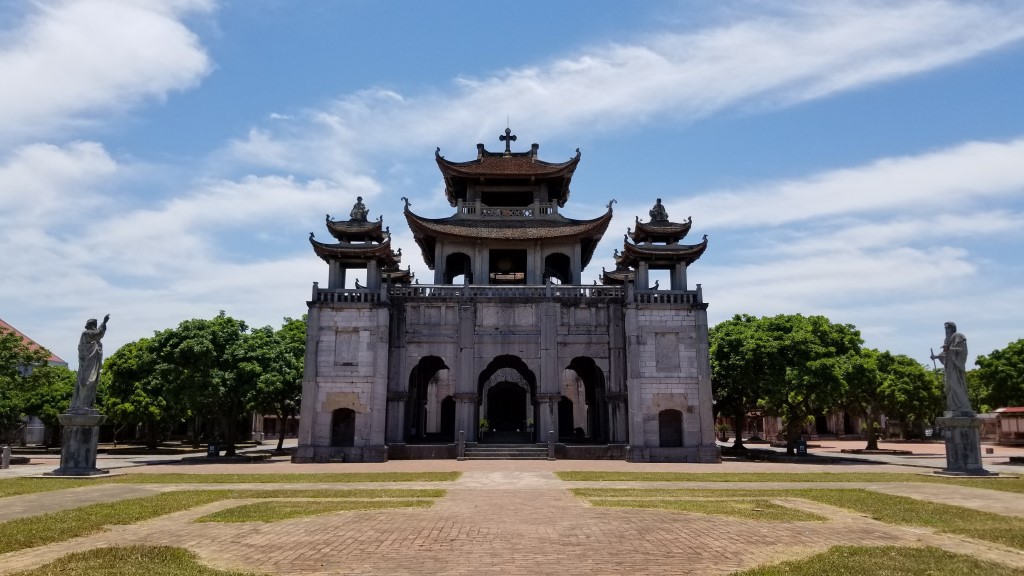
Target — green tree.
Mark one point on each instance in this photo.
(1001, 375)
(741, 356)
(16, 360)
(198, 360)
(910, 392)
(135, 393)
(279, 387)
(806, 372)
(863, 395)
(47, 394)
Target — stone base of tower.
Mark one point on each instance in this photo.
(704, 454)
(312, 454)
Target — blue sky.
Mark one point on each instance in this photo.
(162, 160)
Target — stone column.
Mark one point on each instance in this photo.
(679, 276)
(465, 415)
(548, 413)
(617, 417)
(308, 407)
(396, 417)
(81, 436)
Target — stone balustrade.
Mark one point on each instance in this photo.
(556, 292)
(480, 211)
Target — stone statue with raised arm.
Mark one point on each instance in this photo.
(359, 211)
(90, 358)
(82, 422)
(658, 212)
(954, 361)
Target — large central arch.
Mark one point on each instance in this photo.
(506, 392)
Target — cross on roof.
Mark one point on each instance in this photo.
(508, 139)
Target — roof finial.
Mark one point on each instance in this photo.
(508, 139)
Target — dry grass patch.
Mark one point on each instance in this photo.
(1005, 484)
(276, 511)
(747, 508)
(884, 561)
(66, 524)
(130, 561)
(1008, 530)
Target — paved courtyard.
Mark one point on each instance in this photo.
(511, 518)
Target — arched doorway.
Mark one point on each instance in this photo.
(428, 387)
(506, 390)
(343, 427)
(670, 428)
(595, 417)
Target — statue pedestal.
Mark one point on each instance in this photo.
(81, 436)
(963, 445)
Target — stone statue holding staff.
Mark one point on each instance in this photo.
(954, 360)
(90, 358)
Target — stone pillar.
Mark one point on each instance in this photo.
(679, 276)
(81, 436)
(617, 418)
(963, 445)
(642, 282)
(708, 449)
(308, 408)
(465, 415)
(548, 412)
(395, 433)
(372, 275)
(335, 275)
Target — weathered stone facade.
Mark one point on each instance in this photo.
(506, 345)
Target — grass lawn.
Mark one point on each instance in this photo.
(275, 511)
(130, 561)
(66, 524)
(1007, 530)
(747, 508)
(19, 486)
(884, 561)
(1012, 484)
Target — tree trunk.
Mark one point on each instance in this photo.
(739, 423)
(793, 432)
(229, 434)
(151, 436)
(282, 425)
(195, 434)
(872, 430)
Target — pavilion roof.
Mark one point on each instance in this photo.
(507, 166)
(357, 251)
(357, 230)
(426, 231)
(655, 231)
(634, 253)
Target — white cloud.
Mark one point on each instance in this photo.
(957, 177)
(758, 60)
(69, 60)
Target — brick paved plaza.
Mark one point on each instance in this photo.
(510, 518)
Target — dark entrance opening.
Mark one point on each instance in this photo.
(507, 267)
(416, 402)
(506, 407)
(565, 423)
(343, 427)
(670, 428)
(821, 423)
(597, 405)
(448, 419)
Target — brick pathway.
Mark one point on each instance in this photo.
(514, 520)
